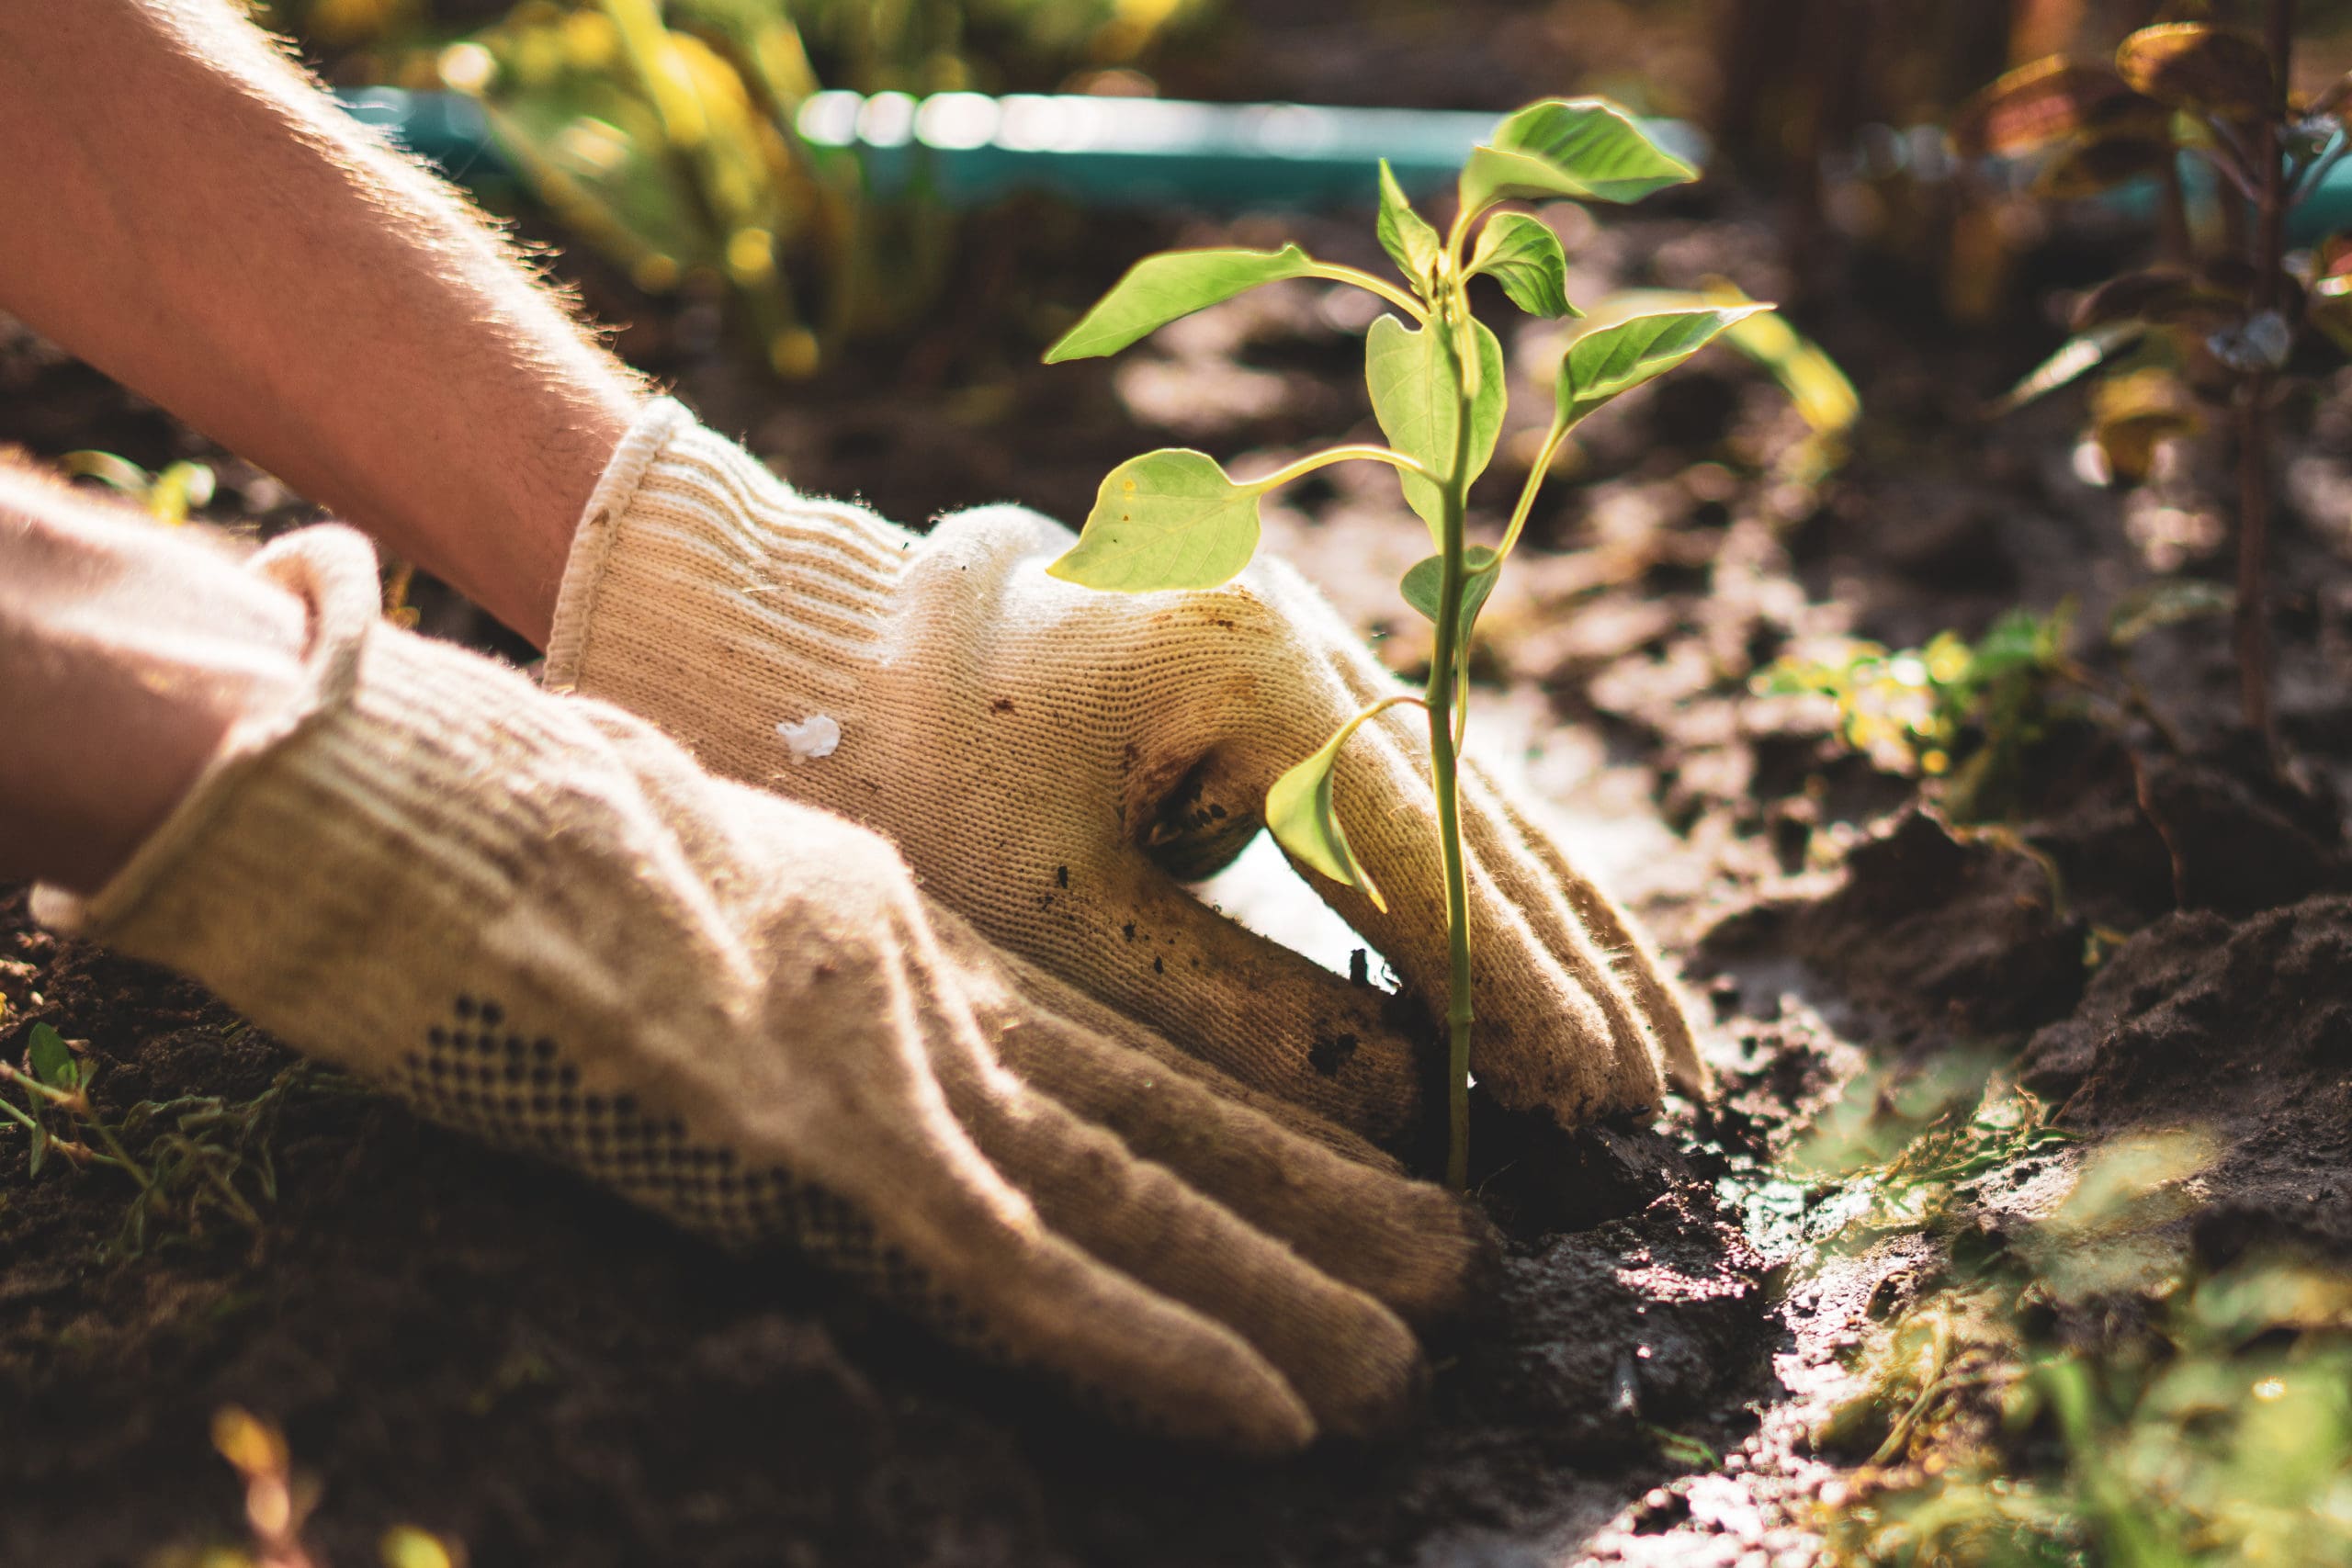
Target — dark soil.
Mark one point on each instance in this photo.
(494, 1351)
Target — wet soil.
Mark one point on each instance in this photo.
(2159, 936)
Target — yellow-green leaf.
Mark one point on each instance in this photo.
(2074, 358)
(2193, 65)
(1162, 289)
(1522, 255)
(1167, 519)
(1588, 149)
(1609, 360)
(52, 1060)
(1427, 578)
(1410, 377)
(1405, 235)
(1299, 812)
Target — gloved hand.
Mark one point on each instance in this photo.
(1027, 743)
(536, 918)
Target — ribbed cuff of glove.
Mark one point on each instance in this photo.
(691, 553)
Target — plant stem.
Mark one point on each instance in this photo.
(1535, 476)
(2253, 431)
(1324, 459)
(1335, 273)
(1444, 688)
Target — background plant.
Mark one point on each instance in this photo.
(1174, 519)
(2218, 318)
(2212, 1425)
(663, 133)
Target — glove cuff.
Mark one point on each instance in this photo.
(322, 871)
(690, 549)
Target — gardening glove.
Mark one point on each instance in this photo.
(1042, 753)
(536, 919)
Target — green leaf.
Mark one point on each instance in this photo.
(2193, 65)
(1583, 148)
(1159, 289)
(52, 1060)
(2077, 356)
(1613, 359)
(1299, 811)
(1405, 235)
(180, 489)
(1411, 379)
(1522, 255)
(2166, 604)
(35, 1156)
(1421, 583)
(2039, 105)
(1167, 519)
(1803, 368)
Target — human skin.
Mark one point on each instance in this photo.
(129, 652)
(187, 212)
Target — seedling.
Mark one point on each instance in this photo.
(2217, 1431)
(1175, 519)
(1966, 716)
(167, 496)
(2216, 327)
(1961, 714)
(196, 1157)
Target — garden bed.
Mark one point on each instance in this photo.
(491, 1350)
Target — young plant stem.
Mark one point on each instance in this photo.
(1335, 273)
(1445, 689)
(2253, 431)
(1324, 459)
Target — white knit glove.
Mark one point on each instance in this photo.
(535, 918)
(1026, 742)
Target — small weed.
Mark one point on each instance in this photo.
(1682, 1452)
(167, 496)
(1965, 717)
(194, 1159)
(1892, 1156)
(1963, 714)
(279, 1502)
(2223, 1434)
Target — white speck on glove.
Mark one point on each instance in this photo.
(813, 736)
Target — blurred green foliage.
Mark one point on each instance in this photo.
(2064, 1387)
(663, 136)
(2219, 1433)
(1963, 714)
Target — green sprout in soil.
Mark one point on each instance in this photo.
(1959, 713)
(1893, 1152)
(1174, 519)
(192, 1159)
(2216, 320)
(2222, 1435)
(167, 496)
(1966, 716)
(279, 1502)
(2073, 1393)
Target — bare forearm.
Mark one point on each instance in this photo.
(179, 208)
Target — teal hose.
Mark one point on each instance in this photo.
(967, 149)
